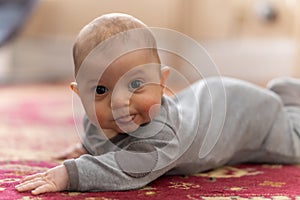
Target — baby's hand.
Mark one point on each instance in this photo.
(72, 152)
(53, 180)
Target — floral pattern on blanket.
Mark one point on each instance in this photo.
(240, 182)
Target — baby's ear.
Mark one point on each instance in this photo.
(165, 72)
(73, 86)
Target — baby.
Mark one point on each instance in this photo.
(133, 133)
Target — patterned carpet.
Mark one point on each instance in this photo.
(36, 122)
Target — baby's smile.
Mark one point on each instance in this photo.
(125, 119)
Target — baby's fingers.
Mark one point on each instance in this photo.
(30, 185)
(31, 177)
(43, 189)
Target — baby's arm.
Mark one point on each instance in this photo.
(53, 180)
(127, 167)
(74, 151)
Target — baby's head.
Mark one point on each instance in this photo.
(118, 72)
(105, 27)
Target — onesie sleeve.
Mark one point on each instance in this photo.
(137, 162)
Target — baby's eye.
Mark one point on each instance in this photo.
(135, 84)
(100, 89)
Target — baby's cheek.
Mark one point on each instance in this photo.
(101, 114)
(91, 113)
(150, 107)
(99, 119)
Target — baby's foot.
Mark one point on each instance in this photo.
(288, 89)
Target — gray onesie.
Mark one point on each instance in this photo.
(213, 122)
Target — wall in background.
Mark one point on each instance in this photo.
(55, 17)
(250, 39)
(210, 19)
(43, 49)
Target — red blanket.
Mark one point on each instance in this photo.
(233, 182)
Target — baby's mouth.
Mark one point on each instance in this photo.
(125, 119)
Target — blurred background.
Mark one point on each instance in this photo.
(255, 40)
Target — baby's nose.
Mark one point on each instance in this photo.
(120, 99)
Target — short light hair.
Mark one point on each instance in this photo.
(103, 28)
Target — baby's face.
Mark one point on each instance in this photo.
(128, 94)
